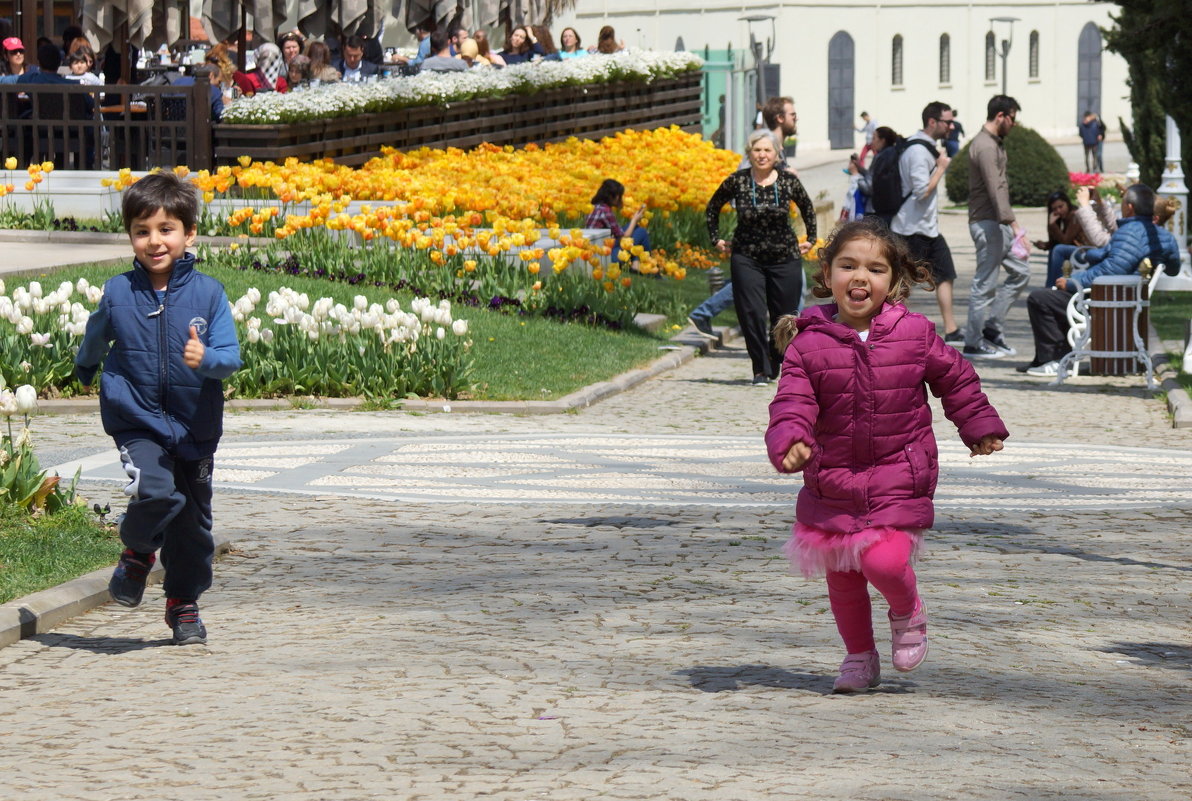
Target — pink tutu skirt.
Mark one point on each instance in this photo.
(814, 552)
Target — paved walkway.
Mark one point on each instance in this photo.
(585, 606)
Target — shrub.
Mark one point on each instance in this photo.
(1033, 168)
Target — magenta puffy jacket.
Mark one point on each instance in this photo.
(862, 407)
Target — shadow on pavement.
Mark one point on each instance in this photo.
(1154, 654)
(98, 645)
(711, 679)
(614, 522)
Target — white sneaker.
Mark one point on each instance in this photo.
(1049, 370)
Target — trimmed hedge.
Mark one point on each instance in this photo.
(1033, 169)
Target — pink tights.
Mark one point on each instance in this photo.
(886, 565)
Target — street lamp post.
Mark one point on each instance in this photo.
(1005, 44)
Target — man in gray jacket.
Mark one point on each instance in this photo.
(993, 228)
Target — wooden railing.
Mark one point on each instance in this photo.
(149, 126)
(107, 127)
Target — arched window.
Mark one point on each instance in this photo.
(1033, 67)
(896, 61)
(945, 58)
(990, 57)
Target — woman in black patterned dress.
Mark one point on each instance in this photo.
(767, 259)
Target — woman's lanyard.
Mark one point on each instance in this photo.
(753, 189)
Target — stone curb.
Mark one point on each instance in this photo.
(1178, 403)
(42, 611)
(685, 349)
(103, 238)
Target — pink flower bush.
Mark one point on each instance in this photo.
(1084, 179)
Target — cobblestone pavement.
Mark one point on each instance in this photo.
(399, 633)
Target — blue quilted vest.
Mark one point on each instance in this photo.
(147, 390)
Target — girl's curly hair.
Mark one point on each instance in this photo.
(905, 270)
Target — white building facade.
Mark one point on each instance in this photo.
(840, 57)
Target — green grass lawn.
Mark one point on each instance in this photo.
(1170, 312)
(41, 552)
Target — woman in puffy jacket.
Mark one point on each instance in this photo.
(851, 413)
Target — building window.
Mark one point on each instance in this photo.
(896, 61)
(1034, 57)
(990, 57)
(945, 59)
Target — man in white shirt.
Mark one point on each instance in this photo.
(921, 168)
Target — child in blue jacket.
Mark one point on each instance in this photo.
(172, 341)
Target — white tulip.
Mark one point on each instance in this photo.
(65, 289)
(25, 326)
(94, 294)
(3, 383)
(360, 302)
(313, 336)
(2, 288)
(8, 403)
(26, 399)
(40, 306)
(254, 335)
(391, 305)
(254, 295)
(35, 289)
(26, 366)
(82, 285)
(440, 333)
(40, 340)
(460, 327)
(267, 335)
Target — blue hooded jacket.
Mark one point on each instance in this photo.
(1136, 238)
(147, 390)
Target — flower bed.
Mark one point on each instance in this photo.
(292, 345)
(338, 100)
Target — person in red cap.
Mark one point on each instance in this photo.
(15, 64)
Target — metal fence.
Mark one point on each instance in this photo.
(107, 127)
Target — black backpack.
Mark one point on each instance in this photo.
(885, 177)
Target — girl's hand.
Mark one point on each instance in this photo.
(805, 247)
(1082, 195)
(985, 446)
(637, 215)
(797, 456)
(722, 246)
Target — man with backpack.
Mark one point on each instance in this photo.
(920, 167)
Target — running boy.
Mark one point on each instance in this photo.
(172, 342)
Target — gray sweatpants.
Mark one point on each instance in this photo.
(988, 302)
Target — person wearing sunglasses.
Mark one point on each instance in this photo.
(15, 63)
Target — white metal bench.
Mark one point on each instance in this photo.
(1124, 292)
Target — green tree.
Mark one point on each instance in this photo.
(1155, 39)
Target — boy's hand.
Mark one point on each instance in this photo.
(193, 354)
(796, 457)
(985, 446)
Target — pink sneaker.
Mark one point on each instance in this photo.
(909, 636)
(858, 673)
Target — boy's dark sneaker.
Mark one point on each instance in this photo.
(127, 584)
(183, 617)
